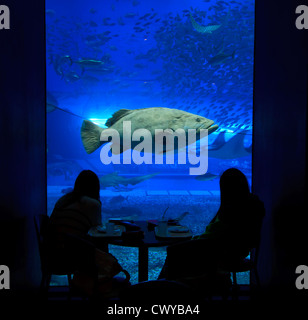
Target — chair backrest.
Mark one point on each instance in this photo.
(56, 260)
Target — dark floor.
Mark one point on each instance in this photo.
(61, 293)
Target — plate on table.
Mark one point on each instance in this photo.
(101, 229)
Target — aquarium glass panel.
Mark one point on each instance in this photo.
(168, 64)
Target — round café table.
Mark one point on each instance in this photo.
(143, 244)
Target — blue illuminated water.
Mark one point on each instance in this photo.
(151, 56)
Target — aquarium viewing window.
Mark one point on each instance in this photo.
(194, 57)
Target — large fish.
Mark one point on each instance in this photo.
(150, 119)
(220, 58)
(114, 180)
(89, 62)
(52, 105)
(231, 149)
(63, 168)
(60, 63)
(203, 29)
(206, 177)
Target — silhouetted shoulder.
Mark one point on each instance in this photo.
(90, 202)
(64, 201)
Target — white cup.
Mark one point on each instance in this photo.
(163, 227)
(110, 228)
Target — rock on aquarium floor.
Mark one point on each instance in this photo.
(144, 205)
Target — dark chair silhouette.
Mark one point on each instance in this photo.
(52, 264)
(245, 265)
(49, 266)
(233, 289)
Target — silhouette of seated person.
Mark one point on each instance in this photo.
(72, 217)
(235, 229)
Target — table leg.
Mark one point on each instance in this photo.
(143, 264)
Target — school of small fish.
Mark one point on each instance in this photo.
(198, 59)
